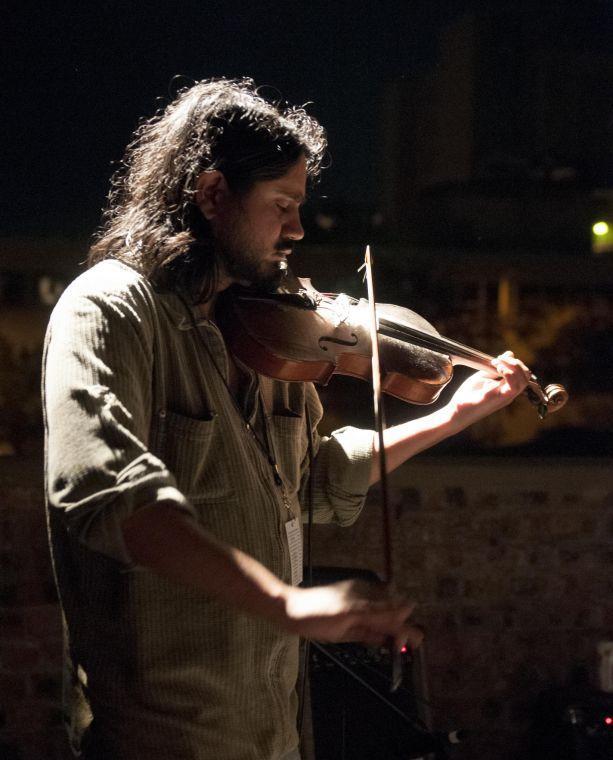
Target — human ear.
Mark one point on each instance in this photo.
(211, 192)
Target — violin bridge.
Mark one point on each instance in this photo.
(340, 307)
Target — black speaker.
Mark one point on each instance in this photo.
(353, 714)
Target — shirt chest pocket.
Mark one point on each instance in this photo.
(194, 452)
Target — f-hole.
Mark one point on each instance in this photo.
(338, 342)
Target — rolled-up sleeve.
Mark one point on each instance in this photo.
(97, 401)
(340, 472)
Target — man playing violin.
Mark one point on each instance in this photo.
(175, 475)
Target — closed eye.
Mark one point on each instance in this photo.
(285, 202)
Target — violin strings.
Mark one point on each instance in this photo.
(431, 342)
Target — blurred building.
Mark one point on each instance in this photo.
(33, 274)
(508, 139)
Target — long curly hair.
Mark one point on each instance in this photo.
(152, 221)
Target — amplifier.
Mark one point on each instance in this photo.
(350, 720)
(353, 714)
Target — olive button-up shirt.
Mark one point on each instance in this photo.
(138, 411)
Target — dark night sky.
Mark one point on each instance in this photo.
(81, 74)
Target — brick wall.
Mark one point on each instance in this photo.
(509, 560)
(30, 631)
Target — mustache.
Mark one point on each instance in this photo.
(285, 246)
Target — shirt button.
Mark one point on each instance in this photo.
(162, 413)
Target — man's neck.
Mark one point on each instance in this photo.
(207, 308)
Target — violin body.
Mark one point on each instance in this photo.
(290, 341)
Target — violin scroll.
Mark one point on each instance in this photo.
(549, 399)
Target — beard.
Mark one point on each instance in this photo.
(248, 264)
(245, 266)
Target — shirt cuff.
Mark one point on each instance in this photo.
(346, 460)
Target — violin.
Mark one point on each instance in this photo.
(300, 334)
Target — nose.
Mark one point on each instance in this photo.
(292, 229)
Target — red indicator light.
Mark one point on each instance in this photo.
(404, 650)
(608, 720)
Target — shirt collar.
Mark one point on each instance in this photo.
(182, 315)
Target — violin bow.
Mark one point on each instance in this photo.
(379, 417)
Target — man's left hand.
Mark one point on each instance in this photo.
(481, 394)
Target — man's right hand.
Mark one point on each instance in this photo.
(169, 542)
(349, 611)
